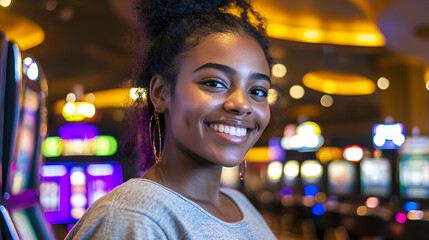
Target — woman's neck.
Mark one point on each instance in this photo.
(188, 175)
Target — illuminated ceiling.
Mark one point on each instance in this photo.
(26, 33)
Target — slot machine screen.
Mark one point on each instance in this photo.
(23, 225)
(375, 177)
(67, 189)
(414, 177)
(341, 177)
(21, 164)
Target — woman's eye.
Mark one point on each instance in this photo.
(259, 92)
(214, 83)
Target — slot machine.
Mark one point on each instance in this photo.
(24, 128)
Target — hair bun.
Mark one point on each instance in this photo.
(156, 15)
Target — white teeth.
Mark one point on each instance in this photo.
(227, 129)
(231, 130)
(221, 128)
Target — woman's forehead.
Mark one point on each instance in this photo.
(230, 49)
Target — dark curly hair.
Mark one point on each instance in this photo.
(169, 29)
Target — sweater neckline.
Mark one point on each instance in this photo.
(223, 191)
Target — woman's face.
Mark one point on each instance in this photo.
(219, 108)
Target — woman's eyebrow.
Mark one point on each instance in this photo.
(260, 76)
(220, 67)
(230, 71)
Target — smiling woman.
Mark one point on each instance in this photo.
(207, 72)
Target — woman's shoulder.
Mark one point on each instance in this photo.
(136, 194)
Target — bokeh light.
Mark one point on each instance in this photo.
(296, 92)
(326, 100)
(287, 191)
(361, 210)
(415, 215)
(411, 206)
(136, 93)
(279, 70)
(291, 170)
(383, 83)
(5, 3)
(274, 171)
(311, 190)
(31, 69)
(320, 197)
(400, 217)
(272, 96)
(353, 153)
(318, 209)
(372, 202)
(308, 201)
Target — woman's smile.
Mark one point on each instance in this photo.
(233, 132)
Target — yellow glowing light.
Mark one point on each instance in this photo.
(312, 34)
(23, 31)
(291, 169)
(427, 86)
(338, 83)
(79, 147)
(308, 128)
(279, 70)
(296, 26)
(361, 210)
(326, 101)
(415, 215)
(78, 111)
(367, 37)
(296, 92)
(69, 108)
(326, 154)
(111, 98)
(383, 83)
(136, 93)
(329, 87)
(258, 154)
(272, 96)
(311, 169)
(274, 171)
(5, 3)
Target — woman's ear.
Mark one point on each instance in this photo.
(159, 93)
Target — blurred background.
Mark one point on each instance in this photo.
(345, 155)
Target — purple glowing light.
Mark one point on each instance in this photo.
(73, 131)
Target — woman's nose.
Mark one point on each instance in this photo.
(238, 103)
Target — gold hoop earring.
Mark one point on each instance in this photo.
(152, 136)
(242, 169)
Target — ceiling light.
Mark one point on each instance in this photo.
(332, 82)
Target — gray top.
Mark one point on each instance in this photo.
(142, 209)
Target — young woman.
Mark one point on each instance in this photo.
(207, 71)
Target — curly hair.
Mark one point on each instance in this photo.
(170, 28)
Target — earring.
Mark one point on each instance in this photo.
(152, 136)
(242, 168)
